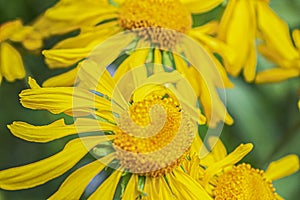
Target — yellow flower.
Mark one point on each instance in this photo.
(224, 179)
(139, 129)
(102, 19)
(11, 64)
(242, 23)
(154, 19)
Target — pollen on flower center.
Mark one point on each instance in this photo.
(242, 182)
(161, 18)
(154, 136)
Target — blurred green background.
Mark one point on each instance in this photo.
(266, 115)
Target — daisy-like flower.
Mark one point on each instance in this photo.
(155, 20)
(11, 64)
(245, 21)
(224, 179)
(102, 19)
(139, 126)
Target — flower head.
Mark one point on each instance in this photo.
(223, 178)
(140, 127)
(151, 20)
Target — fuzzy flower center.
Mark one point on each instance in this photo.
(161, 18)
(243, 182)
(154, 136)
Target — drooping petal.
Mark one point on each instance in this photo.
(200, 6)
(42, 171)
(279, 29)
(75, 184)
(55, 130)
(214, 109)
(107, 189)
(283, 167)
(250, 65)
(11, 63)
(237, 28)
(276, 74)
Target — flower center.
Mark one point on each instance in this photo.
(161, 18)
(154, 136)
(243, 182)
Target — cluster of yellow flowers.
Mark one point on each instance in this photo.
(140, 74)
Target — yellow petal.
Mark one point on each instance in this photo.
(217, 153)
(200, 6)
(214, 109)
(214, 45)
(63, 99)
(131, 190)
(296, 37)
(11, 63)
(180, 182)
(65, 79)
(81, 177)
(232, 158)
(60, 58)
(276, 75)
(72, 50)
(250, 65)
(279, 29)
(31, 39)
(136, 59)
(107, 189)
(85, 125)
(157, 188)
(32, 83)
(42, 171)
(283, 167)
(210, 28)
(55, 130)
(9, 28)
(61, 18)
(197, 145)
(99, 79)
(237, 28)
(218, 149)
